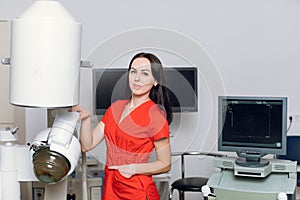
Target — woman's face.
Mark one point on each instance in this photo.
(141, 79)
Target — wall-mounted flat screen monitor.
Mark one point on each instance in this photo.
(252, 127)
(109, 85)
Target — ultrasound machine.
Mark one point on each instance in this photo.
(253, 127)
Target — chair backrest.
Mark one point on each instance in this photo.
(292, 149)
(191, 153)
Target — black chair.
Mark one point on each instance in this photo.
(292, 152)
(189, 184)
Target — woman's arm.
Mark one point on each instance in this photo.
(89, 138)
(161, 165)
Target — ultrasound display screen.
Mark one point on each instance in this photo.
(252, 123)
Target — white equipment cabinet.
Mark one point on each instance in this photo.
(231, 181)
(6, 110)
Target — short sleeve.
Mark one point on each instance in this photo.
(159, 124)
(164, 132)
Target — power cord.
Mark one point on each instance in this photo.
(291, 121)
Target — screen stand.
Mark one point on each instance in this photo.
(251, 163)
(251, 160)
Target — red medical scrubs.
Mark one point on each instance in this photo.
(131, 141)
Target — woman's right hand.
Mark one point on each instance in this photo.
(84, 113)
(87, 140)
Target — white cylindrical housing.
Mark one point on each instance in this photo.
(45, 57)
(10, 185)
(8, 173)
(56, 151)
(7, 158)
(63, 128)
(72, 153)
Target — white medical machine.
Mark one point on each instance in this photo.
(253, 126)
(44, 73)
(232, 181)
(52, 156)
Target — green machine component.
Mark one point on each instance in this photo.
(231, 181)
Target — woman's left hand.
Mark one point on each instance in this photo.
(125, 170)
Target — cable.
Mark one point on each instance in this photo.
(84, 177)
(291, 121)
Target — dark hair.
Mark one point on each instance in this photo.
(159, 93)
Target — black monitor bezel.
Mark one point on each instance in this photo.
(259, 151)
(97, 73)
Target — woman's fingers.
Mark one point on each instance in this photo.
(84, 113)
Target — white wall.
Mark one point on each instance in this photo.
(253, 44)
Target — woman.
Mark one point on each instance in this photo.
(132, 129)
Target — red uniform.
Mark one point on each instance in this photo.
(131, 141)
